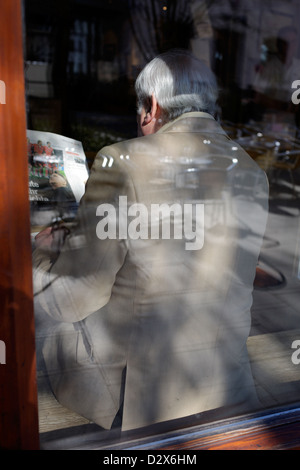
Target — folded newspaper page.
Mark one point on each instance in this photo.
(58, 172)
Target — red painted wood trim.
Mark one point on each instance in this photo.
(18, 392)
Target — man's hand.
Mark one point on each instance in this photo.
(51, 239)
(44, 239)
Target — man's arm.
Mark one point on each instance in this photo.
(80, 280)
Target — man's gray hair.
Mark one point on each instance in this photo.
(180, 82)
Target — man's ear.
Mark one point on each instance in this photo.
(150, 120)
(153, 110)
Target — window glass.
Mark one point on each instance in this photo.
(156, 327)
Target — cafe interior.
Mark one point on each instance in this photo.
(81, 59)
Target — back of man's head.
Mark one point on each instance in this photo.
(180, 82)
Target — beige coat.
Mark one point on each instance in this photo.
(155, 323)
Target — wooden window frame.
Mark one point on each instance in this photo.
(276, 429)
(272, 429)
(18, 390)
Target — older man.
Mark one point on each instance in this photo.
(151, 293)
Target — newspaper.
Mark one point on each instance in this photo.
(58, 172)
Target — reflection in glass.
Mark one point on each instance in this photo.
(150, 324)
(242, 43)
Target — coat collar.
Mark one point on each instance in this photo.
(193, 122)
